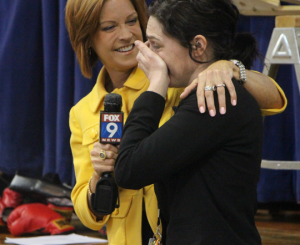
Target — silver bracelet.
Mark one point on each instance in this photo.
(243, 77)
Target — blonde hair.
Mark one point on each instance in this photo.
(82, 22)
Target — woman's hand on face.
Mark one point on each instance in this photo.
(154, 67)
(220, 72)
(103, 165)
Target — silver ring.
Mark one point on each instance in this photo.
(102, 154)
(220, 85)
(209, 88)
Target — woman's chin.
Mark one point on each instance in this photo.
(128, 65)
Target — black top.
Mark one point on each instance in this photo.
(205, 169)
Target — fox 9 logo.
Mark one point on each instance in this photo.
(111, 127)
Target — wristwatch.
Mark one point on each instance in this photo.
(243, 77)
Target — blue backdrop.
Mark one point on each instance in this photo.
(40, 81)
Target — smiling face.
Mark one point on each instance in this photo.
(114, 40)
(180, 66)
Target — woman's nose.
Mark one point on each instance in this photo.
(125, 33)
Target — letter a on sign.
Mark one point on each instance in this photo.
(282, 48)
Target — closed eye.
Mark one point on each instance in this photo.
(132, 21)
(108, 28)
(154, 46)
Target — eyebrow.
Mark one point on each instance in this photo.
(152, 37)
(129, 16)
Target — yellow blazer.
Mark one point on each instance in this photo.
(124, 224)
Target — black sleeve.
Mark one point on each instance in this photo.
(148, 154)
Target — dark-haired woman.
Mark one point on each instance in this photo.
(205, 170)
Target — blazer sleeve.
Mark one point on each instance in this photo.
(83, 171)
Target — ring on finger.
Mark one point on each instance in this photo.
(220, 85)
(102, 154)
(209, 88)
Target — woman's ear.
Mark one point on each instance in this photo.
(199, 45)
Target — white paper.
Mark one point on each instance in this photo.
(55, 240)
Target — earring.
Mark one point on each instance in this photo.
(195, 46)
(90, 52)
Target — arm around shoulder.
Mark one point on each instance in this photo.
(268, 94)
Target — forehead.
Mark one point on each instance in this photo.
(116, 8)
(154, 29)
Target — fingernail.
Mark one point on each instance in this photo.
(202, 109)
(234, 102)
(222, 111)
(212, 113)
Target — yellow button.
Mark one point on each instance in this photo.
(94, 133)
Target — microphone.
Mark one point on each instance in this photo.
(106, 197)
